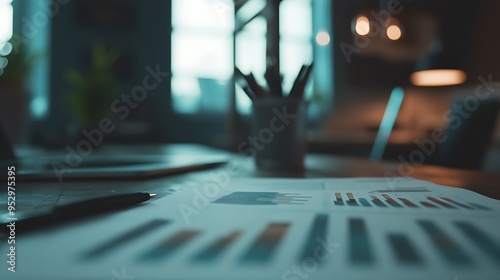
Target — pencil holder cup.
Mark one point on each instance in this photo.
(279, 133)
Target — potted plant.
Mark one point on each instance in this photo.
(14, 97)
(93, 91)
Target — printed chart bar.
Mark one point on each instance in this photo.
(479, 206)
(318, 230)
(377, 201)
(403, 249)
(338, 199)
(359, 242)
(444, 244)
(125, 238)
(439, 202)
(213, 251)
(481, 239)
(457, 203)
(352, 200)
(262, 198)
(391, 201)
(427, 204)
(264, 246)
(408, 203)
(170, 245)
(364, 202)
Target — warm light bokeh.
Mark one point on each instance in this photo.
(394, 32)
(438, 77)
(362, 25)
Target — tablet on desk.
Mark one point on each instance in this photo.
(129, 166)
(102, 167)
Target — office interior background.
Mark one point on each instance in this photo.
(66, 63)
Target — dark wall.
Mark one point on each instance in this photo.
(373, 65)
(364, 79)
(485, 58)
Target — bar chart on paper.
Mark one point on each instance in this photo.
(404, 200)
(262, 198)
(287, 229)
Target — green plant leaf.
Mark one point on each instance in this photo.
(93, 92)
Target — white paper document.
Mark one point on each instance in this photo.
(292, 229)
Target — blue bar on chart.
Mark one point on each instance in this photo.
(338, 199)
(170, 245)
(404, 250)
(216, 249)
(391, 201)
(351, 200)
(263, 247)
(444, 244)
(408, 203)
(377, 201)
(481, 239)
(457, 203)
(439, 202)
(364, 202)
(359, 243)
(262, 198)
(479, 206)
(318, 231)
(125, 238)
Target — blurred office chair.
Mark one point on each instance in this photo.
(387, 124)
(467, 141)
(468, 134)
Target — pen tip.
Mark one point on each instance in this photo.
(152, 195)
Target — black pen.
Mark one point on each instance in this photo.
(78, 210)
(273, 78)
(249, 92)
(246, 88)
(251, 82)
(299, 91)
(296, 83)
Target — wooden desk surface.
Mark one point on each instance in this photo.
(41, 196)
